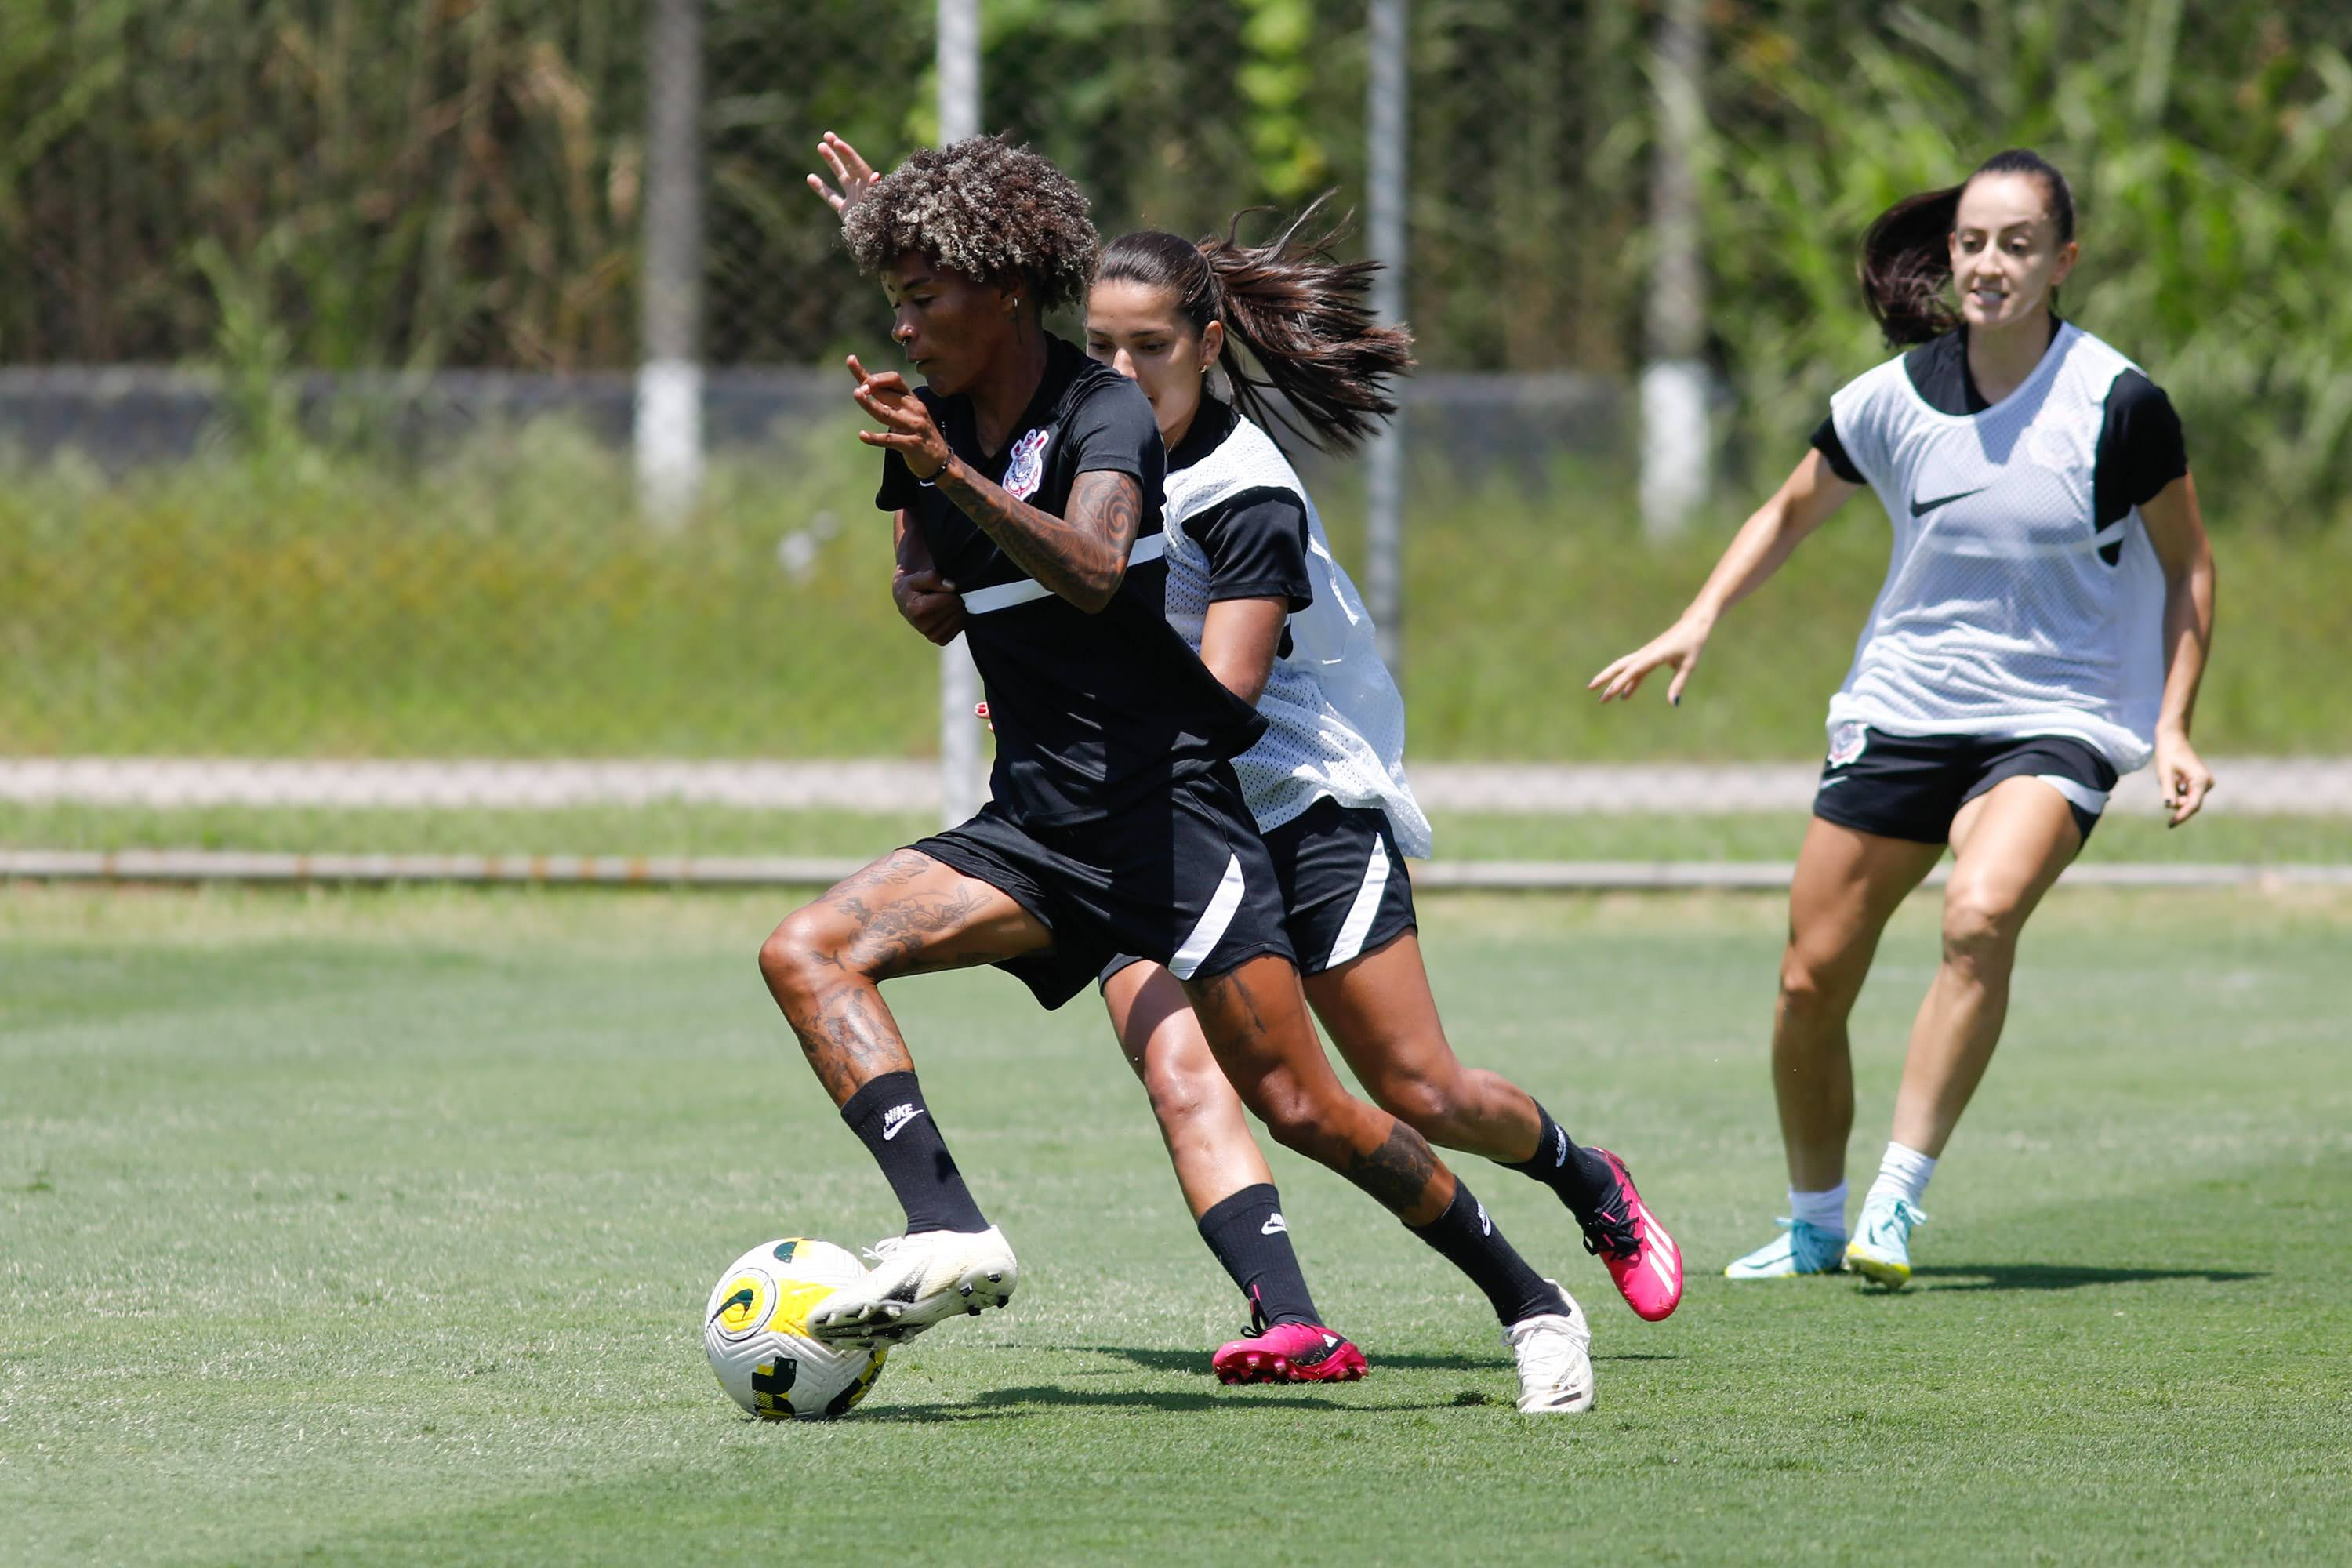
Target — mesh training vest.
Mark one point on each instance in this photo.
(2004, 612)
(1334, 719)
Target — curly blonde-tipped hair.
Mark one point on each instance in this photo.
(984, 208)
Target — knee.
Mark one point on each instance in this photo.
(1980, 927)
(797, 955)
(1811, 982)
(1185, 1098)
(1429, 1105)
(1294, 1119)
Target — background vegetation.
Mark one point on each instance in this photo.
(254, 188)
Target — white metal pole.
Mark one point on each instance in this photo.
(668, 436)
(962, 785)
(1677, 447)
(1386, 102)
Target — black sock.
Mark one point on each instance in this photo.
(1581, 1178)
(1251, 1239)
(1475, 1245)
(889, 1116)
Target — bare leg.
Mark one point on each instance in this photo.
(1254, 1019)
(1384, 1021)
(1200, 1116)
(903, 914)
(2012, 842)
(1848, 885)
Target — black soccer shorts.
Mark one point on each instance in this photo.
(1345, 890)
(1911, 787)
(1181, 877)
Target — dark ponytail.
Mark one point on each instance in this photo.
(1301, 315)
(1906, 256)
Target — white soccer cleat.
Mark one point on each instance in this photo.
(918, 1280)
(1554, 1351)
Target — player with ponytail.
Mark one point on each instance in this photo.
(2047, 615)
(1254, 586)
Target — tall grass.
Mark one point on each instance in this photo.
(508, 600)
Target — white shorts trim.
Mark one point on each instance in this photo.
(1364, 911)
(1004, 595)
(2081, 795)
(1210, 929)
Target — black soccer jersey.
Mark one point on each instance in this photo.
(1090, 710)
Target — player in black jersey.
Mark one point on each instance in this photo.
(1032, 477)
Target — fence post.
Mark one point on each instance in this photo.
(962, 785)
(668, 436)
(1387, 96)
(1676, 448)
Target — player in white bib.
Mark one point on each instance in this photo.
(1270, 619)
(2047, 615)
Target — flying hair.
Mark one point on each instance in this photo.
(1302, 315)
(1907, 254)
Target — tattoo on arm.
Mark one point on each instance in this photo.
(1080, 557)
(1397, 1172)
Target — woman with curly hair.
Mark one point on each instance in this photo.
(1030, 477)
(2046, 616)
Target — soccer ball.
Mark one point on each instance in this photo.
(756, 1330)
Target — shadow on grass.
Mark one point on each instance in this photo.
(2059, 1276)
(1008, 1403)
(1196, 1362)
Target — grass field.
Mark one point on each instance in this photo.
(510, 601)
(375, 1228)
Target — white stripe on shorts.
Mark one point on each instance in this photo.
(1004, 595)
(1213, 921)
(1367, 907)
(2086, 798)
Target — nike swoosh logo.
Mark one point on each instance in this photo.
(1922, 507)
(897, 1127)
(1277, 1226)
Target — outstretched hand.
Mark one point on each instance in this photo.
(852, 175)
(2183, 779)
(907, 428)
(1679, 646)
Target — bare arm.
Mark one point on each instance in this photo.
(1803, 503)
(1238, 641)
(2176, 529)
(927, 601)
(1081, 556)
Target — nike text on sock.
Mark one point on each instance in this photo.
(1251, 1239)
(1903, 1174)
(898, 1128)
(1473, 1242)
(1581, 1178)
(1822, 1211)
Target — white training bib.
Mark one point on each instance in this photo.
(1335, 719)
(2005, 611)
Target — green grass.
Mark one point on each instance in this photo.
(508, 601)
(675, 829)
(374, 1228)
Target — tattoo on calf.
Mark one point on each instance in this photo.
(1397, 1172)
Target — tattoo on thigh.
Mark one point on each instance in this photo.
(1397, 1172)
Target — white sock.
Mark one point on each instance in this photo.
(1822, 1211)
(1903, 1173)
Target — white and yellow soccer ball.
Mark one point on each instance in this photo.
(756, 1330)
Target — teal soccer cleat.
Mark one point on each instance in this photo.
(1882, 1251)
(1801, 1250)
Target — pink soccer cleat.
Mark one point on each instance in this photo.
(1639, 1256)
(1288, 1352)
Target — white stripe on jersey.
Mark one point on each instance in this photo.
(1026, 590)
